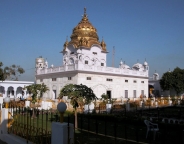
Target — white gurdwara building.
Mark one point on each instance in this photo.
(84, 62)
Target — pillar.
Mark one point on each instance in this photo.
(25, 96)
(4, 121)
(5, 93)
(1, 102)
(60, 133)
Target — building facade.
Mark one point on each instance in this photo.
(14, 89)
(84, 62)
(155, 89)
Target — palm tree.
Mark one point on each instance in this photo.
(37, 90)
(42, 89)
(75, 93)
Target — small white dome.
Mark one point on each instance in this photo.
(156, 74)
(121, 62)
(137, 65)
(126, 67)
(145, 63)
(39, 60)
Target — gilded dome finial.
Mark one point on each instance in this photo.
(65, 44)
(84, 10)
(103, 45)
(85, 15)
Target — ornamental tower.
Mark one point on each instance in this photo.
(84, 46)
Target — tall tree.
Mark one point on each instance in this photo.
(75, 93)
(173, 80)
(178, 80)
(2, 75)
(11, 73)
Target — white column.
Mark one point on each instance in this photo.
(1, 102)
(5, 94)
(25, 96)
(15, 90)
(4, 121)
(60, 133)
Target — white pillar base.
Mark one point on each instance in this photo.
(4, 121)
(60, 133)
(1, 102)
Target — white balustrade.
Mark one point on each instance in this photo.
(93, 68)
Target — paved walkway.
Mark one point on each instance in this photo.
(2, 142)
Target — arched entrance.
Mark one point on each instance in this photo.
(151, 90)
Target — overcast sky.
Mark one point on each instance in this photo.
(138, 29)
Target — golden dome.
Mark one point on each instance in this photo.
(84, 34)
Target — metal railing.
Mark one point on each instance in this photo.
(31, 124)
(35, 125)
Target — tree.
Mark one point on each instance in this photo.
(75, 93)
(11, 73)
(37, 91)
(2, 75)
(173, 80)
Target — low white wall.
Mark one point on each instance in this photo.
(13, 139)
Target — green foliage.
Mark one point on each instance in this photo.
(37, 91)
(76, 92)
(173, 80)
(12, 72)
(2, 75)
(105, 99)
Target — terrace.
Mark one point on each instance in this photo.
(101, 69)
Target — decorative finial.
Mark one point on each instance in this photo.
(121, 62)
(85, 10)
(85, 15)
(145, 59)
(66, 38)
(137, 60)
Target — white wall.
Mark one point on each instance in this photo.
(16, 86)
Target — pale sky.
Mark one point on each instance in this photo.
(138, 29)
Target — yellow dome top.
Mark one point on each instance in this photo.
(84, 34)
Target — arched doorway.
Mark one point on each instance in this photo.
(151, 90)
